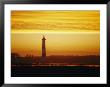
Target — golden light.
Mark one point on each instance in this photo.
(67, 32)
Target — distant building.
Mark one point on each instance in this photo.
(15, 55)
(43, 47)
(41, 61)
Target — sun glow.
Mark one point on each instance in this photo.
(66, 32)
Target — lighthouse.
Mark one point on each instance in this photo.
(43, 47)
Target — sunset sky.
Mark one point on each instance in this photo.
(74, 32)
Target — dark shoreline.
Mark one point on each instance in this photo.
(55, 71)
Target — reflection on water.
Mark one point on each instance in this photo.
(56, 64)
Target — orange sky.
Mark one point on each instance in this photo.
(67, 32)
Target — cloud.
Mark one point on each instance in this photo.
(55, 20)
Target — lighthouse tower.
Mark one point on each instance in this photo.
(43, 47)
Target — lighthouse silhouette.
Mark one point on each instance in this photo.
(43, 47)
(41, 61)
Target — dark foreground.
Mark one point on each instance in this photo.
(55, 71)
